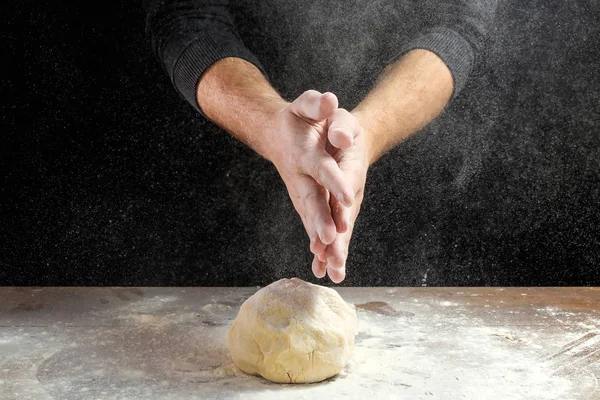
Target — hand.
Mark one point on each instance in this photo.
(314, 178)
(354, 161)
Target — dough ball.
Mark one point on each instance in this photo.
(293, 332)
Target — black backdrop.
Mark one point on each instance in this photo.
(109, 178)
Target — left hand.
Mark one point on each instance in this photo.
(352, 157)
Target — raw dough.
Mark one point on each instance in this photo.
(293, 332)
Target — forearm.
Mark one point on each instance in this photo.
(189, 36)
(409, 94)
(235, 95)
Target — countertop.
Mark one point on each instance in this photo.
(413, 343)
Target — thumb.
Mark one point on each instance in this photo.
(315, 106)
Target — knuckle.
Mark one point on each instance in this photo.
(359, 194)
(318, 171)
(338, 260)
(310, 93)
(338, 131)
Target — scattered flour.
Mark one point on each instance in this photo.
(162, 347)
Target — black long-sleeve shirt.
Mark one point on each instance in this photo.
(339, 45)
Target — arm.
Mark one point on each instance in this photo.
(235, 95)
(293, 136)
(433, 68)
(409, 95)
(196, 41)
(208, 64)
(412, 91)
(188, 36)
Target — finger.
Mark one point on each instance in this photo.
(326, 172)
(315, 106)
(319, 268)
(337, 252)
(317, 247)
(340, 214)
(315, 200)
(336, 275)
(343, 128)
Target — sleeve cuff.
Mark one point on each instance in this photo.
(451, 47)
(198, 56)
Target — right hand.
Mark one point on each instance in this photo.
(298, 149)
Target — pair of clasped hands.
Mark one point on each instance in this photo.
(321, 154)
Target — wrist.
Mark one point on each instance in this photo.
(266, 127)
(369, 133)
(235, 95)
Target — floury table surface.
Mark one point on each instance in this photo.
(413, 343)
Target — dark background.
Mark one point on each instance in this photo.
(110, 178)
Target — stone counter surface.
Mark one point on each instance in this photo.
(413, 343)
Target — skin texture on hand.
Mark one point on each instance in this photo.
(312, 176)
(323, 152)
(296, 137)
(331, 154)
